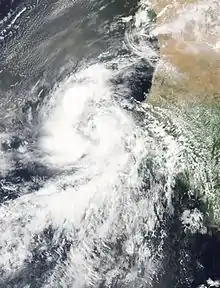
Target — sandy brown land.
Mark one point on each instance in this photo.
(188, 33)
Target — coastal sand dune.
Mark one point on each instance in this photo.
(189, 37)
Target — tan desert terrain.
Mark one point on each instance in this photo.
(189, 38)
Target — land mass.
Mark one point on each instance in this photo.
(189, 67)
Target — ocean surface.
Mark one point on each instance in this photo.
(93, 190)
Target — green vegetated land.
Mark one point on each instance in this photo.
(187, 90)
(196, 128)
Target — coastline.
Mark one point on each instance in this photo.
(189, 67)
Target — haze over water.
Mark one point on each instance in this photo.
(98, 187)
